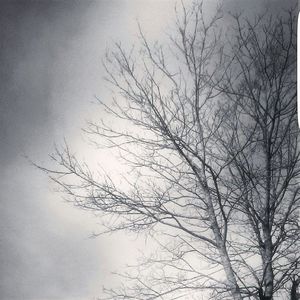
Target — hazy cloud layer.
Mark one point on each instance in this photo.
(50, 71)
(50, 59)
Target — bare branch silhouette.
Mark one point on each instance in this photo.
(208, 126)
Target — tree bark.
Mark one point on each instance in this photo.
(230, 276)
(294, 289)
(267, 264)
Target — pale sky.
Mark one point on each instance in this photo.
(50, 71)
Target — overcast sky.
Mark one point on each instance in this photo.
(51, 69)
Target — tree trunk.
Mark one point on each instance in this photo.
(294, 289)
(267, 264)
(233, 286)
(230, 276)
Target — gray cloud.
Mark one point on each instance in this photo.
(50, 59)
(42, 256)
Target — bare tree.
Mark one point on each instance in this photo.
(208, 126)
(261, 83)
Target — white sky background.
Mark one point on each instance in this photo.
(51, 69)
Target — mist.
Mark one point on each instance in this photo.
(51, 53)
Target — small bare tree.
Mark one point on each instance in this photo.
(208, 126)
